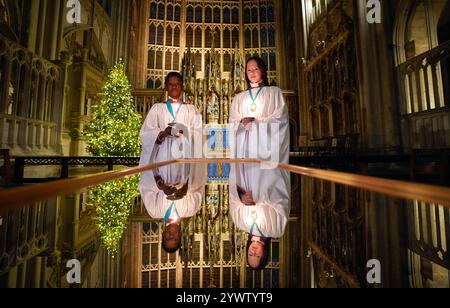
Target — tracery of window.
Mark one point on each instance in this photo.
(260, 35)
(207, 24)
(339, 224)
(219, 28)
(159, 269)
(332, 81)
(164, 40)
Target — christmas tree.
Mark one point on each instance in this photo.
(114, 127)
(114, 131)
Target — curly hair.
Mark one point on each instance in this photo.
(171, 75)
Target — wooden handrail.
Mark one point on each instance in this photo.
(400, 189)
(19, 197)
(26, 195)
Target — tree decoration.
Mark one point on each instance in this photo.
(114, 131)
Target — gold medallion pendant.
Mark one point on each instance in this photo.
(254, 106)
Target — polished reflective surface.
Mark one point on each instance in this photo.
(314, 233)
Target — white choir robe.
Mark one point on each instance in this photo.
(157, 121)
(271, 193)
(271, 109)
(156, 201)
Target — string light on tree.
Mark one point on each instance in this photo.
(114, 131)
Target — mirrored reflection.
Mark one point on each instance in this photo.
(259, 206)
(315, 234)
(194, 222)
(173, 193)
(365, 239)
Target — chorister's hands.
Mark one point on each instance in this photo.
(247, 198)
(247, 121)
(175, 130)
(169, 189)
(178, 193)
(159, 182)
(172, 131)
(167, 132)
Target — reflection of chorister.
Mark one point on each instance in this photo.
(188, 119)
(271, 192)
(156, 201)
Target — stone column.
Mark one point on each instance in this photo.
(33, 30)
(380, 125)
(279, 43)
(41, 27)
(4, 98)
(12, 277)
(78, 101)
(143, 34)
(37, 270)
(301, 84)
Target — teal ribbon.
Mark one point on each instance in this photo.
(257, 227)
(257, 93)
(169, 107)
(169, 211)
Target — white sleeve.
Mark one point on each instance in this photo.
(272, 207)
(272, 130)
(149, 133)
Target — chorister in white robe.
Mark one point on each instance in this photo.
(188, 119)
(268, 137)
(271, 193)
(157, 121)
(156, 201)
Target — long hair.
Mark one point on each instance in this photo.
(265, 257)
(262, 66)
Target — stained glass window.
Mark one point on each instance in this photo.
(228, 33)
(190, 14)
(226, 15)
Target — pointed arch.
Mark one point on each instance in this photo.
(405, 12)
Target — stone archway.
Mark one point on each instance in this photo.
(401, 21)
(431, 13)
